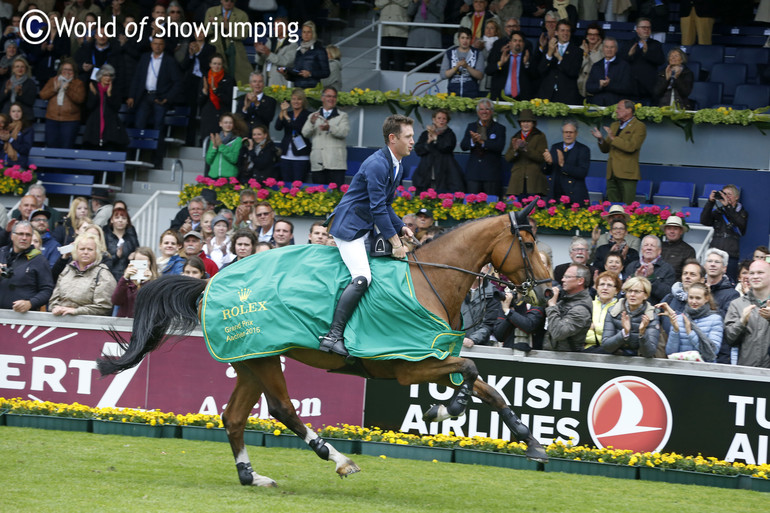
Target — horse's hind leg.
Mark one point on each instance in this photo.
(280, 407)
(245, 395)
(492, 397)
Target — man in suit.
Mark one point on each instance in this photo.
(255, 107)
(276, 53)
(567, 162)
(90, 57)
(368, 204)
(610, 78)
(510, 69)
(154, 89)
(645, 56)
(485, 139)
(623, 141)
(560, 67)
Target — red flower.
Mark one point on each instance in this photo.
(432, 194)
(665, 214)
(412, 189)
(551, 210)
(262, 194)
(254, 184)
(221, 182)
(270, 182)
(540, 203)
(400, 188)
(551, 201)
(233, 180)
(471, 198)
(517, 204)
(682, 214)
(293, 191)
(296, 183)
(424, 195)
(406, 196)
(33, 167)
(344, 188)
(500, 206)
(280, 183)
(332, 186)
(283, 190)
(459, 195)
(564, 199)
(575, 207)
(447, 203)
(200, 178)
(237, 187)
(483, 196)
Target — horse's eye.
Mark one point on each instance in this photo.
(529, 245)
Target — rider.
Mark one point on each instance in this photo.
(367, 204)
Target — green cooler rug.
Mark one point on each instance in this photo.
(283, 299)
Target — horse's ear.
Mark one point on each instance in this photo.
(522, 215)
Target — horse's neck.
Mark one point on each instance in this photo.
(468, 247)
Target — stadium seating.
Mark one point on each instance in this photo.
(753, 96)
(730, 76)
(706, 94)
(675, 194)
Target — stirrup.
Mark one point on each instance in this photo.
(333, 345)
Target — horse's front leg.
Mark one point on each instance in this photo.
(245, 395)
(280, 407)
(488, 394)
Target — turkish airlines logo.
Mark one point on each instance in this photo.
(630, 413)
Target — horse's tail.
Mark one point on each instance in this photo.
(168, 304)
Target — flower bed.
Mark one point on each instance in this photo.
(14, 180)
(319, 201)
(616, 463)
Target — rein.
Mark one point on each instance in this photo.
(530, 283)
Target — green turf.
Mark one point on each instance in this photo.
(56, 471)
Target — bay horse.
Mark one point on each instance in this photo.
(447, 267)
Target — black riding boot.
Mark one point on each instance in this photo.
(333, 342)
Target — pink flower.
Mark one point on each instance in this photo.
(412, 189)
(638, 211)
(606, 204)
(262, 194)
(221, 182)
(254, 184)
(665, 214)
(280, 183)
(575, 207)
(655, 209)
(270, 182)
(483, 197)
(459, 195)
(233, 180)
(284, 190)
(500, 206)
(296, 183)
(406, 196)
(33, 167)
(424, 195)
(471, 198)
(237, 187)
(517, 204)
(400, 188)
(552, 211)
(432, 194)
(540, 203)
(445, 195)
(293, 191)
(344, 188)
(332, 186)
(200, 178)
(447, 203)
(26, 176)
(551, 201)
(564, 199)
(682, 214)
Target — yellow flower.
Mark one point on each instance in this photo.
(277, 432)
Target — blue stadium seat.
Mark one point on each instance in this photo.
(694, 217)
(597, 187)
(754, 58)
(694, 67)
(706, 94)
(730, 76)
(707, 188)
(644, 191)
(752, 96)
(675, 194)
(707, 55)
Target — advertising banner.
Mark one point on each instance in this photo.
(54, 359)
(604, 401)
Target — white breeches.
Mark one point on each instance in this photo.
(354, 255)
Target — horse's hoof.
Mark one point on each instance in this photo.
(347, 468)
(263, 481)
(536, 452)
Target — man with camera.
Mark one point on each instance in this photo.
(480, 310)
(25, 277)
(729, 219)
(569, 311)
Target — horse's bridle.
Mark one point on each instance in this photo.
(524, 288)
